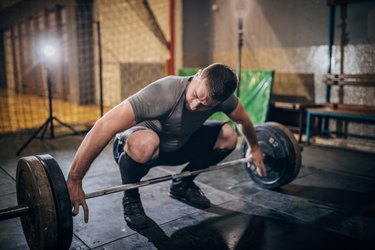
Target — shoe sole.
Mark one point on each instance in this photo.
(187, 202)
(136, 226)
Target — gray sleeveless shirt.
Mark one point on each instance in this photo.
(160, 106)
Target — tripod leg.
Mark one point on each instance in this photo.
(45, 124)
(66, 125)
(44, 130)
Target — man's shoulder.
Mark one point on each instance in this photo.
(166, 89)
(171, 84)
(172, 81)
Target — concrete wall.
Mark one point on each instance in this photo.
(197, 36)
(287, 36)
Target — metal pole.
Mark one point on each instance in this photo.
(100, 67)
(49, 85)
(240, 43)
(20, 210)
(331, 37)
(172, 38)
(124, 187)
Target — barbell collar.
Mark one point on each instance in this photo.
(184, 174)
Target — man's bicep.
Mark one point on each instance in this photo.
(239, 114)
(119, 118)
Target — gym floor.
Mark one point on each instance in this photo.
(331, 205)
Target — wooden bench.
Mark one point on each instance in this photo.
(342, 111)
(292, 93)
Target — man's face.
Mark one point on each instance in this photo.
(197, 98)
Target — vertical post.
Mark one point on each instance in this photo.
(100, 67)
(331, 37)
(37, 68)
(3, 76)
(171, 64)
(240, 43)
(61, 82)
(308, 120)
(27, 46)
(15, 60)
(21, 56)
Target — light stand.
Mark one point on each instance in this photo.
(51, 118)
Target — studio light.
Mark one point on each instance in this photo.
(49, 51)
(49, 58)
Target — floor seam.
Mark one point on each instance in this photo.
(6, 172)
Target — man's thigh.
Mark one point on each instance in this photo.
(201, 142)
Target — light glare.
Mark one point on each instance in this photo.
(49, 51)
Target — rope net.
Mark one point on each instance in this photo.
(119, 45)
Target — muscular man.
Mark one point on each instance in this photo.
(166, 123)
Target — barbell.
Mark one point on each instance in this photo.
(45, 208)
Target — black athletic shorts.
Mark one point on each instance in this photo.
(201, 142)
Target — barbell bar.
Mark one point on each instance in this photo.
(148, 182)
(20, 210)
(45, 208)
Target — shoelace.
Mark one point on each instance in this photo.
(194, 190)
(136, 208)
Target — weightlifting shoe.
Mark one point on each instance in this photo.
(134, 213)
(188, 192)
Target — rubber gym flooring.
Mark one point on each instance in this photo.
(331, 204)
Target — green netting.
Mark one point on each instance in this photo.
(255, 92)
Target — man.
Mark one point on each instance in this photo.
(166, 123)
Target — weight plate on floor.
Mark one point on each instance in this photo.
(43, 225)
(282, 159)
(296, 150)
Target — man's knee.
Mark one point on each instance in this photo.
(227, 138)
(142, 146)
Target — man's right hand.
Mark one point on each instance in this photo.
(77, 198)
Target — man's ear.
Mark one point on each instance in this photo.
(198, 73)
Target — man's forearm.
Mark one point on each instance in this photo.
(118, 119)
(242, 119)
(248, 132)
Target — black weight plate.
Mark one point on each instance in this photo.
(275, 159)
(296, 149)
(279, 157)
(33, 189)
(288, 150)
(61, 198)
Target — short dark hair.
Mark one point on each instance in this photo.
(222, 81)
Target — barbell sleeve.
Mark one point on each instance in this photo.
(13, 212)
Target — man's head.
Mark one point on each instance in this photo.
(210, 86)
